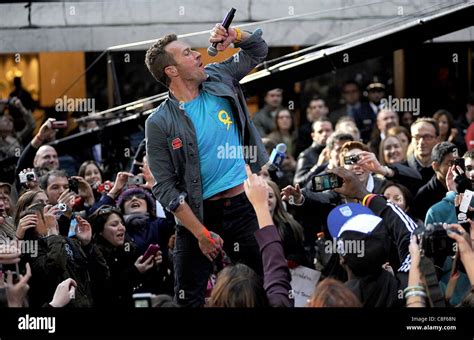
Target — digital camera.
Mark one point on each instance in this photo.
(434, 240)
(27, 177)
(351, 160)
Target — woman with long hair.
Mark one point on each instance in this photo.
(291, 232)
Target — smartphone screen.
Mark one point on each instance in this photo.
(326, 182)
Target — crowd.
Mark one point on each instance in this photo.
(85, 240)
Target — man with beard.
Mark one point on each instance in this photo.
(204, 111)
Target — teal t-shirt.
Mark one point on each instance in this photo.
(219, 145)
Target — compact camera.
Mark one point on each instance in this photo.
(27, 177)
(351, 160)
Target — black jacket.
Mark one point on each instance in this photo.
(60, 258)
(124, 277)
(306, 160)
(428, 195)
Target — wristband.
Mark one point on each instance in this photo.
(413, 288)
(415, 293)
(238, 38)
(365, 199)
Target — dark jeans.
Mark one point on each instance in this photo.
(234, 220)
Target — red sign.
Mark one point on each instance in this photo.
(177, 143)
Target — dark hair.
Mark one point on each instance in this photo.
(37, 208)
(440, 113)
(429, 121)
(320, 120)
(43, 181)
(338, 137)
(406, 193)
(282, 218)
(83, 167)
(350, 82)
(441, 150)
(24, 201)
(238, 286)
(333, 293)
(292, 128)
(470, 99)
(157, 59)
(100, 216)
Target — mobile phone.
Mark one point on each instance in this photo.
(135, 180)
(59, 124)
(151, 251)
(72, 227)
(326, 182)
(142, 300)
(458, 162)
(73, 185)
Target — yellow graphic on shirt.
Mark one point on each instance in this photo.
(224, 118)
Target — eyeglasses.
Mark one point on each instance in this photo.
(427, 138)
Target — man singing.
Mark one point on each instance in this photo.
(205, 112)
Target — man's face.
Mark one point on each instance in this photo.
(322, 130)
(189, 66)
(469, 164)
(56, 186)
(423, 138)
(317, 109)
(442, 169)
(351, 94)
(376, 95)
(47, 158)
(386, 120)
(356, 169)
(273, 98)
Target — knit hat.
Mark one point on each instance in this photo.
(137, 191)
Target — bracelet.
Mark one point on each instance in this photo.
(415, 293)
(239, 35)
(365, 199)
(412, 288)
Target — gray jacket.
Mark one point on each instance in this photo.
(171, 137)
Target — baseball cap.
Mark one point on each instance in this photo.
(351, 217)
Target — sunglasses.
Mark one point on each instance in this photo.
(141, 196)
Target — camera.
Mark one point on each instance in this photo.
(142, 300)
(62, 209)
(135, 180)
(27, 177)
(434, 241)
(351, 160)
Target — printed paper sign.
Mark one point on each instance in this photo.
(303, 283)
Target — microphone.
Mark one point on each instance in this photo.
(212, 50)
(277, 157)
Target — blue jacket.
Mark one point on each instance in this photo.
(443, 211)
